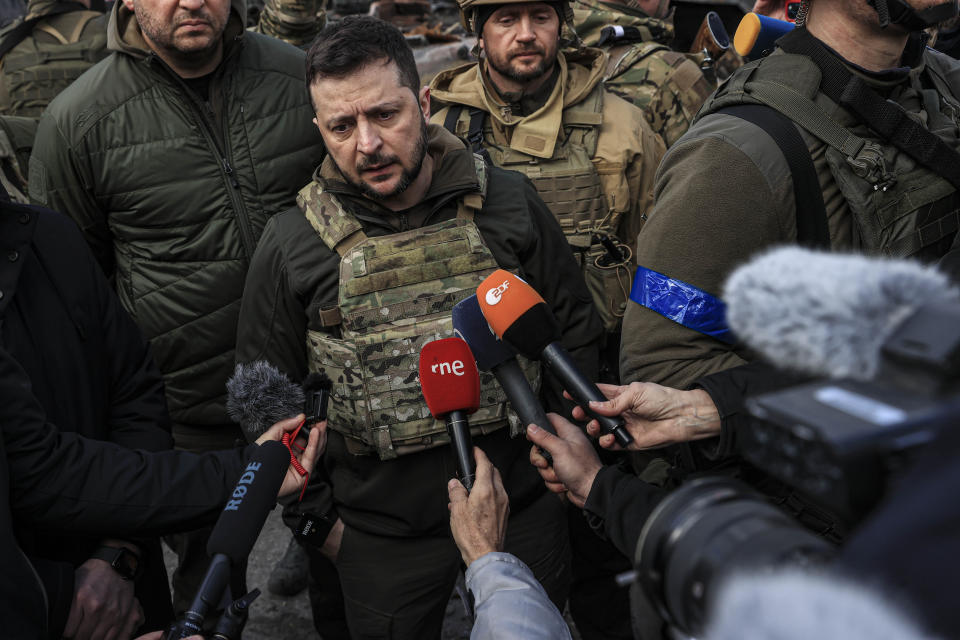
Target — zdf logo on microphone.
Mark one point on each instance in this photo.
(496, 294)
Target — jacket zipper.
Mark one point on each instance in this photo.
(229, 177)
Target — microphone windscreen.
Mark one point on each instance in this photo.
(827, 314)
(259, 396)
(449, 377)
(756, 36)
(469, 324)
(252, 500)
(503, 298)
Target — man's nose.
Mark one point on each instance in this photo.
(525, 31)
(368, 138)
(191, 5)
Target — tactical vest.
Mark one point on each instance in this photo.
(898, 207)
(571, 187)
(35, 70)
(396, 293)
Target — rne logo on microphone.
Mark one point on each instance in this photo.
(455, 367)
(494, 295)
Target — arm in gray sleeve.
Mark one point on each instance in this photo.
(510, 603)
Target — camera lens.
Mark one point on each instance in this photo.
(706, 530)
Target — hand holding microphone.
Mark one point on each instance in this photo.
(520, 317)
(656, 416)
(451, 387)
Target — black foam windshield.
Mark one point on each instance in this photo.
(533, 331)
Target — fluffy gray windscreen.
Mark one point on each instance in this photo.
(827, 314)
(259, 396)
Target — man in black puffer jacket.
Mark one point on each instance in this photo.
(171, 155)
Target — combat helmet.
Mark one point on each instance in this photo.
(470, 11)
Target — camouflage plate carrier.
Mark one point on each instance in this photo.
(668, 86)
(572, 189)
(396, 294)
(898, 207)
(47, 58)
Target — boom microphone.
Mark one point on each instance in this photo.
(236, 531)
(451, 387)
(827, 314)
(493, 355)
(519, 316)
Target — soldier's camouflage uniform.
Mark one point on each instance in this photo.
(62, 43)
(294, 21)
(666, 84)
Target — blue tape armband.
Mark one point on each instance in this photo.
(681, 302)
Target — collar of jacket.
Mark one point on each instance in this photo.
(17, 225)
(535, 134)
(591, 16)
(124, 35)
(454, 173)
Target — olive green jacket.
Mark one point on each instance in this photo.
(724, 193)
(172, 193)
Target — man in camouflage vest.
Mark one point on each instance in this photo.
(667, 85)
(401, 222)
(41, 55)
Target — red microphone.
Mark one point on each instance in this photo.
(521, 318)
(451, 387)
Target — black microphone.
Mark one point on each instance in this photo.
(518, 315)
(236, 531)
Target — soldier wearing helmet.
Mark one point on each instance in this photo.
(531, 106)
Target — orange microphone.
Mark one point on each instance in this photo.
(520, 317)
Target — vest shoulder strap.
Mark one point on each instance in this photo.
(471, 204)
(337, 227)
(812, 229)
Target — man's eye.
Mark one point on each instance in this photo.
(386, 115)
(340, 128)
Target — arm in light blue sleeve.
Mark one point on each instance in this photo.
(510, 603)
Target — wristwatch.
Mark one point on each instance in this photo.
(123, 561)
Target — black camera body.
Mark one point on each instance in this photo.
(839, 443)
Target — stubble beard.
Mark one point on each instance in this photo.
(160, 35)
(407, 176)
(504, 68)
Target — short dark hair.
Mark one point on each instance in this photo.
(351, 44)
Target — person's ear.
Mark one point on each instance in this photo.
(424, 103)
